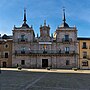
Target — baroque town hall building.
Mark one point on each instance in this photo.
(57, 51)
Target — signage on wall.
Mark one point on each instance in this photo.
(45, 42)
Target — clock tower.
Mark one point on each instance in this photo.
(44, 32)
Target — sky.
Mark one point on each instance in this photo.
(77, 14)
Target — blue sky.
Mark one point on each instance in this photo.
(77, 14)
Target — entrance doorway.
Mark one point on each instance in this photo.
(4, 64)
(44, 63)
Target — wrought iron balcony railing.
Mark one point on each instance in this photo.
(66, 40)
(27, 52)
(84, 47)
(86, 57)
(3, 56)
(22, 40)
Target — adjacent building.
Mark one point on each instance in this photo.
(5, 51)
(57, 51)
(84, 53)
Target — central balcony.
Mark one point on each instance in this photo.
(64, 40)
(44, 52)
(20, 40)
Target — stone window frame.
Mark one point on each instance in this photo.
(67, 49)
(67, 62)
(84, 54)
(84, 45)
(84, 63)
(22, 62)
(4, 54)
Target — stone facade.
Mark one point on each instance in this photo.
(56, 51)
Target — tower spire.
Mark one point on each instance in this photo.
(64, 18)
(24, 20)
(64, 24)
(44, 22)
(24, 15)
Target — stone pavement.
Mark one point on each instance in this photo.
(42, 79)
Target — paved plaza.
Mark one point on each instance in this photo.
(42, 79)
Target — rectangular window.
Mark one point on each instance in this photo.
(84, 46)
(6, 55)
(67, 62)
(22, 37)
(85, 63)
(66, 37)
(84, 54)
(23, 50)
(67, 49)
(22, 62)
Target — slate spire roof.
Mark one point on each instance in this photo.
(64, 24)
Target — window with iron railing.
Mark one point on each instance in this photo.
(84, 46)
(18, 52)
(22, 52)
(85, 63)
(67, 49)
(23, 49)
(84, 54)
(6, 55)
(22, 39)
(66, 39)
